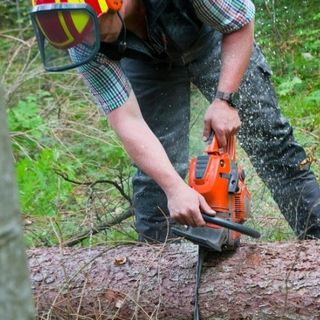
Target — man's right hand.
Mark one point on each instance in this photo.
(185, 206)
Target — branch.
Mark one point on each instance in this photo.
(93, 183)
(101, 227)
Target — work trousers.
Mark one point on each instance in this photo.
(163, 93)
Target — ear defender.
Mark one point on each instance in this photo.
(114, 5)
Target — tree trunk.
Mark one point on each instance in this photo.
(15, 291)
(258, 281)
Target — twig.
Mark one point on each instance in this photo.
(57, 233)
(81, 297)
(92, 184)
(316, 136)
(82, 134)
(287, 280)
(26, 43)
(68, 281)
(101, 227)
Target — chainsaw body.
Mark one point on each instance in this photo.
(217, 177)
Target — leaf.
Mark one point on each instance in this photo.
(25, 116)
(288, 86)
(40, 188)
(314, 96)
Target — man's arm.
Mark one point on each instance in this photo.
(234, 19)
(146, 151)
(235, 56)
(113, 93)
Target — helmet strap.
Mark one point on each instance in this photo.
(123, 41)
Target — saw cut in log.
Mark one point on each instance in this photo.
(258, 281)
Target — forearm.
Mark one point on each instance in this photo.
(142, 145)
(236, 51)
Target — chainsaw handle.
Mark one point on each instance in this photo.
(231, 225)
(213, 146)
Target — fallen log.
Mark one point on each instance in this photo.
(258, 281)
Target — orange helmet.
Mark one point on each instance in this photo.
(68, 24)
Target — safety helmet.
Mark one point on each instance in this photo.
(67, 31)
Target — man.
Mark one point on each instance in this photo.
(146, 98)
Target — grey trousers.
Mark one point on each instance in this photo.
(163, 93)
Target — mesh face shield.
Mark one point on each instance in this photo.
(68, 35)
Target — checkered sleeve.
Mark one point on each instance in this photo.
(225, 16)
(105, 80)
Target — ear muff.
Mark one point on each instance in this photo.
(114, 5)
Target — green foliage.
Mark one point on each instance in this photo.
(289, 34)
(14, 13)
(25, 117)
(41, 190)
(287, 87)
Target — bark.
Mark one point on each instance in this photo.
(15, 290)
(258, 281)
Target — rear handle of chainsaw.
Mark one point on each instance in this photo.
(231, 225)
(213, 146)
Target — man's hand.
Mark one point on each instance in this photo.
(185, 206)
(236, 51)
(223, 120)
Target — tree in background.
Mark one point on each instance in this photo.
(15, 292)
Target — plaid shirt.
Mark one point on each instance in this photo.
(106, 80)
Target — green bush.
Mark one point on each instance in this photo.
(41, 189)
(14, 13)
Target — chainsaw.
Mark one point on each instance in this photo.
(218, 178)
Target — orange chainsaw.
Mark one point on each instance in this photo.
(217, 177)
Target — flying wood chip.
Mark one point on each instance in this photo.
(118, 261)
